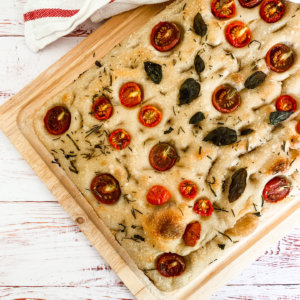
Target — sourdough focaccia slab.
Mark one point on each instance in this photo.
(180, 138)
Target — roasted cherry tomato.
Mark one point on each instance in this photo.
(106, 188)
(165, 36)
(158, 195)
(249, 3)
(226, 99)
(119, 139)
(188, 189)
(276, 189)
(286, 103)
(203, 207)
(57, 120)
(102, 109)
(170, 265)
(223, 9)
(238, 34)
(130, 94)
(192, 234)
(150, 116)
(280, 58)
(272, 11)
(298, 127)
(163, 156)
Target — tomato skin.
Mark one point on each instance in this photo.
(106, 188)
(188, 189)
(250, 4)
(119, 139)
(158, 39)
(170, 265)
(126, 91)
(57, 120)
(102, 109)
(274, 55)
(158, 195)
(286, 103)
(203, 207)
(277, 9)
(276, 189)
(226, 99)
(298, 127)
(231, 33)
(150, 116)
(162, 157)
(219, 11)
(192, 234)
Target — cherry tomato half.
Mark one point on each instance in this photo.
(286, 103)
(223, 9)
(203, 207)
(272, 11)
(158, 195)
(280, 58)
(165, 36)
(226, 99)
(119, 139)
(249, 3)
(57, 120)
(150, 116)
(238, 34)
(102, 109)
(192, 234)
(130, 94)
(170, 265)
(276, 189)
(298, 127)
(106, 188)
(188, 189)
(163, 156)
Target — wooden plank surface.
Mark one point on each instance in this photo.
(42, 252)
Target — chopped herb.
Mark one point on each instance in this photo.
(213, 261)
(210, 186)
(254, 205)
(256, 41)
(73, 142)
(138, 237)
(180, 128)
(233, 212)
(125, 196)
(55, 161)
(133, 210)
(225, 235)
(221, 246)
(200, 150)
(246, 131)
(73, 168)
(220, 209)
(169, 130)
(117, 239)
(98, 64)
(257, 214)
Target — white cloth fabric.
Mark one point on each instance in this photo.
(48, 20)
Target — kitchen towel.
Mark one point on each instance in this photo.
(48, 20)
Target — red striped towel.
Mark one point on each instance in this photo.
(48, 20)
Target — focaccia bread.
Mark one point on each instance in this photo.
(192, 176)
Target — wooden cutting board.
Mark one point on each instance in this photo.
(16, 122)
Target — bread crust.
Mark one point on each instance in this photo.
(144, 230)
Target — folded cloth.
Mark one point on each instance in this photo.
(48, 20)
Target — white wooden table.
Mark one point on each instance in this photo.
(43, 254)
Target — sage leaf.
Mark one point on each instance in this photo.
(222, 136)
(197, 118)
(189, 91)
(199, 64)
(199, 25)
(154, 71)
(238, 184)
(278, 116)
(255, 80)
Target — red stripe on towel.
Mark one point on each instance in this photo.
(49, 13)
